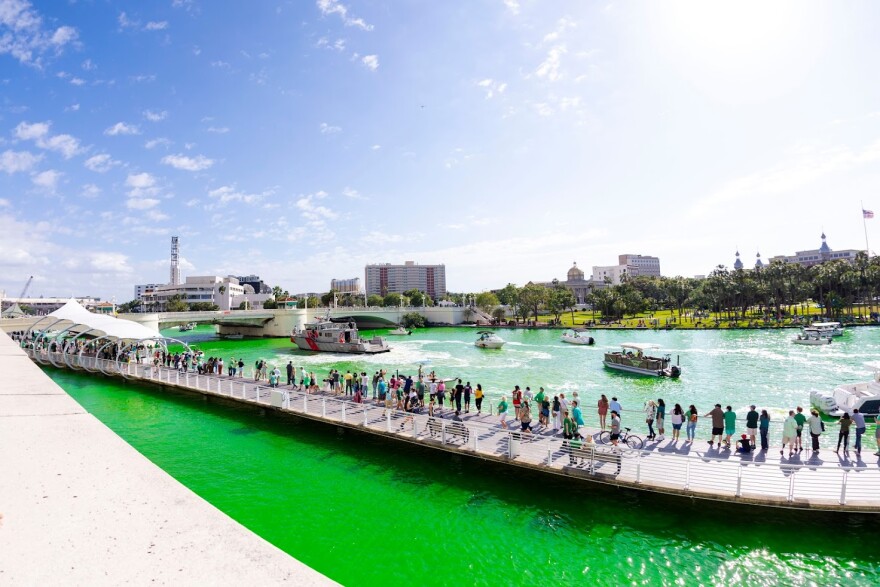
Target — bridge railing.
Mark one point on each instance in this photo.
(709, 475)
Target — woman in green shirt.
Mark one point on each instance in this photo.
(502, 411)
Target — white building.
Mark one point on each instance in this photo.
(610, 274)
(140, 290)
(816, 256)
(384, 279)
(43, 305)
(640, 265)
(208, 288)
(352, 286)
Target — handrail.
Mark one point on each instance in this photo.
(706, 474)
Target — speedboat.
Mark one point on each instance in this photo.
(812, 336)
(327, 336)
(633, 358)
(489, 340)
(186, 327)
(576, 337)
(825, 328)
(399, 331)
(849, 396)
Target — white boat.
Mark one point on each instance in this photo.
(633, 358)
(489, 340)
(326, 336)
(186, 327)
(832, 328)
(844, 398)
(812, 336)
(399, 331)
(576, 337)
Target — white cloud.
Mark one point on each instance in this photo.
(220, 130)
(16, 161)
(4, 203)
(491, 87)
(512, 6)
(77, 81)
(24, 36)
(327, 129)
(371, 62)
(156, 215)
(90, 191)
(155, 116)
(328, 7)
(376, 147)
(156, 142)
(156, 25)
(121, 128)
(337, 45)
(353, 194)
(140, 180)
(72, 108)
(89, 65)
(47, 180)
(107, 262)
(183, 162)
(38, 132)
(101, 163)
(125, 22)
(141, 203)
(550, 67)
(229, 193)
(142, 78)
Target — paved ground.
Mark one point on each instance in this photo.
(79, 506)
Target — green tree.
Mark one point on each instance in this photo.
(509, 296)
(203, 307)
(392, 300)
(375, 300)
(560, 299)
(327, 298)
(499, 314)
(176, 304)
(416, 297)
(533, 297)
(313, 301)
(270, 304)
(129, 307)
(487, 301)
(412, 320)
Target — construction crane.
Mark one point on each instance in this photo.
(26, 286)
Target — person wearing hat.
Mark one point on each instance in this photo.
(752, 425)
(745, 445)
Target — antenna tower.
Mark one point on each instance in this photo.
(175, 262)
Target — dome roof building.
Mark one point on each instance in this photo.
(738, 264)
(759, 264)
(575, 274)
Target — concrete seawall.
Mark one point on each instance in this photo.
(80, 506)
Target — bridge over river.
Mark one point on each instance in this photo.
(279, 323)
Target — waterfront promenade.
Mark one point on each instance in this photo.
(79, 506)
(807, 481)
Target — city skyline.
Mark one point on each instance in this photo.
(501, 139)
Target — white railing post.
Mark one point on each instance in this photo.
(177, 378)
(476, 440)
(323, 407)
(387, 421)
(443, 433)
(843, 487)
(343, 412)
(305, 403)
(639, 468)
(739, 480)
(549, 456)
(791, 486)
(687, 474)
(243, 390)
(415, 427)
(365, 414)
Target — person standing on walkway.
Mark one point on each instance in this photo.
(563, 405)
(576, 413)
(650, 413)
(691, 417)
(859, 422)
(375, 382)
(660, 419)
(289, 372)
(615, 406)
(801, 420)
(467, 397)
(752, 425)
(843, 436)
(816, 428)
(502, 411)
(789, 434)
(764, 427)
(478, 398)
(717, 424)
(677, 418)
(539, 403)
(729, 425)
(557, 419)
(615, 427)
(603, 411)
(459, 394)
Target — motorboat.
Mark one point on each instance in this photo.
(327, 336)
(399, 331)
(832, 328)
(186, 327)
(489, 340)
(633, 357)
(577, 337)
(812, 336)
(849, 396)
(232, 336)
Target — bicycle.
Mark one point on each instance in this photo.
(630, 440)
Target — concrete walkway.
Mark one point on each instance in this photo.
(79, 506)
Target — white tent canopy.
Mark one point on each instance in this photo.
(110, 326)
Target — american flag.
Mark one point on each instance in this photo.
(867, 213)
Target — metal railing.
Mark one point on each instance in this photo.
(714, 475)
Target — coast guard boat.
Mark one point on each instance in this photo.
(326, 336)
(632, 358)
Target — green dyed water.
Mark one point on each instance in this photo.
(368, 512)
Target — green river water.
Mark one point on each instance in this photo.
(365, 511)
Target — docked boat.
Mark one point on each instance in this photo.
(845, 398)
(577, 337)
(333, 337)
(186, 327)
(489, 340)
(832, 328)
(399, 331)
(812, 336)
(232, 336)
(634, 358)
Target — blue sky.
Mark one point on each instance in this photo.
(301, 140)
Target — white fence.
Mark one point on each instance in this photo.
(837, 485)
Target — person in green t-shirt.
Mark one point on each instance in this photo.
(502, 411)
(729, 425)
(801, 420)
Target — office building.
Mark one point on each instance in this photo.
(207, 288)
(609, 274)
(640, 265)
(352, 286)
(140, 290)
(387, 278)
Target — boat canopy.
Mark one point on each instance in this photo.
(826, 325)
(640, 346)
(485, 332)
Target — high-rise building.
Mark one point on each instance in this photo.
(382, 279)
(352, 285)
(140, 290)
(640, 265)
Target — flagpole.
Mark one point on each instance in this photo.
(865, 225)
